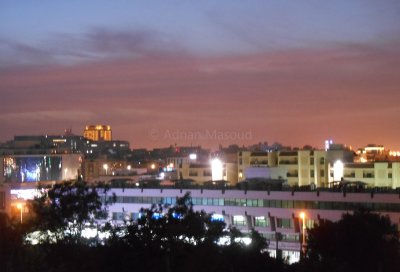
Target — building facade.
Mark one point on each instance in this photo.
(39, 167)
(298, 167)
(374, 174)
(98, 132)
(275, 214)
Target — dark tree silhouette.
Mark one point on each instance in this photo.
(65, 209)
(362, 241)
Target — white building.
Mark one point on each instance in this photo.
(274, 214)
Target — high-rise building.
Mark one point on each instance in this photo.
(98, 132)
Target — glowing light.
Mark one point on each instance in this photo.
(20, 206)
(338, 170)
(303, 239)
(25, 193)
(105, 167)
(216, 170)
(328, 143)
(363, 160)
(129, 167)
(193, 156)
(217, 217)
(153, 166)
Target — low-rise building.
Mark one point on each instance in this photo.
(374, 174)
(275, 214)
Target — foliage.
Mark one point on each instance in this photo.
(362, 241)
(178, 238)
(63, 211)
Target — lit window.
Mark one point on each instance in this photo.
(261, 221)
(239, 220)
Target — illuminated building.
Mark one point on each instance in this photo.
(98, 133)
(373, 174)
(373, 153)
(202, 171)
(274, 214)
(45, 144)
(297, 167)
(40, 167)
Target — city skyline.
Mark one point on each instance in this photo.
(295, 73)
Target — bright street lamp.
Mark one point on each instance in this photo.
(303, 240)
(20, 207)
(105, 166)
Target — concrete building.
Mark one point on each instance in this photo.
(298, 167)
(374, 174)
(274, 214)
(200, 169)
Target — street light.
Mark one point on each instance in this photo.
(303, 240)
(105, 166)
(20, 207)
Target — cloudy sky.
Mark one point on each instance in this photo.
(203, 72)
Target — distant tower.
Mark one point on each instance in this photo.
(98, 133)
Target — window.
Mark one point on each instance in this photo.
(368, 175)
(239, 220)
(136, 216)
(196, 201)
(284, 223)
(290, 237)
(285, 204)
(309, 223)
(240, 202)
(261, 221)
(117, 216)
(251, 203)
(322, 173)
(312, 173)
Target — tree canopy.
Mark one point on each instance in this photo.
(362, 241)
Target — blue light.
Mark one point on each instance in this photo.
(217, 217)
(177, 215)
(156, 216)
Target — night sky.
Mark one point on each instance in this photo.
(203, 72)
